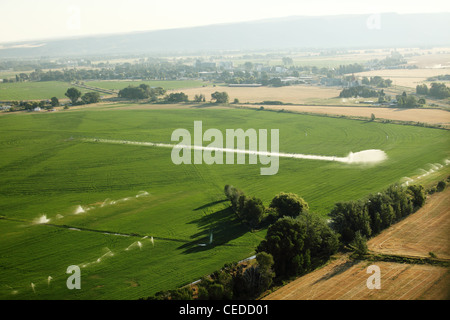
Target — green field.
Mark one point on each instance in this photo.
(47, 169)
(168, 85)
(43, 90)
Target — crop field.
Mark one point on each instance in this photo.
(34, 90)
(168, 85)
(297, 94)
(344, 279)
(406, 77)
(431, 116)
(136, 223)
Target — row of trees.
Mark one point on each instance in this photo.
(371, 215)
(297, 240)
(360, 91)
(377, 81)
(144, 91)
(437, 90)
(232, 282)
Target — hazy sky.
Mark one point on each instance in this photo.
(42, 19)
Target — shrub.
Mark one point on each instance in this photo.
(441, 185)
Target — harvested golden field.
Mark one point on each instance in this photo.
(427, 230)
(344, 279)
(298, 94)
(432, 116)
(406, 77)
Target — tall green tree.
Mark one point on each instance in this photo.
(73, 94)
(289, 204)
(220, 97)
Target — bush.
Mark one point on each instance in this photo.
(441, 185)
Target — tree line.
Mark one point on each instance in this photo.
(436, 90)
(298, 241)
(144, 91)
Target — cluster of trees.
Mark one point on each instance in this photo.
(251, 210)
(143, 91)
(176, 97)
(299, 245)
(360, 91)
(377, 81)
(370, 216)
(220, 97)
(409, 101)
(437, 90)
(89, 97)
(350, 68)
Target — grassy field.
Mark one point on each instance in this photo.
(34, 90)
(132, 194)
(168, 85)
(46, 89)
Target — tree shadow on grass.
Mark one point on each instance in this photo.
(210, 204)
(224, 226)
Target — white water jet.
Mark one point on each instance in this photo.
(142, 194)
(42, 219)
(134, 244)
(49, 279)
(370, 156)
(153, 243)
(79, 210)
(33, 287)
(58, 216)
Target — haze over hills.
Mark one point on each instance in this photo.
(340, 31)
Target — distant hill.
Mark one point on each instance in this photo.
(340, 31)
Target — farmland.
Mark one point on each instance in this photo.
(134, 221)
(345, 279)
(168, 85)
(34, 90)
(423, 232)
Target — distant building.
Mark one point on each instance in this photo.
(37, 109)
